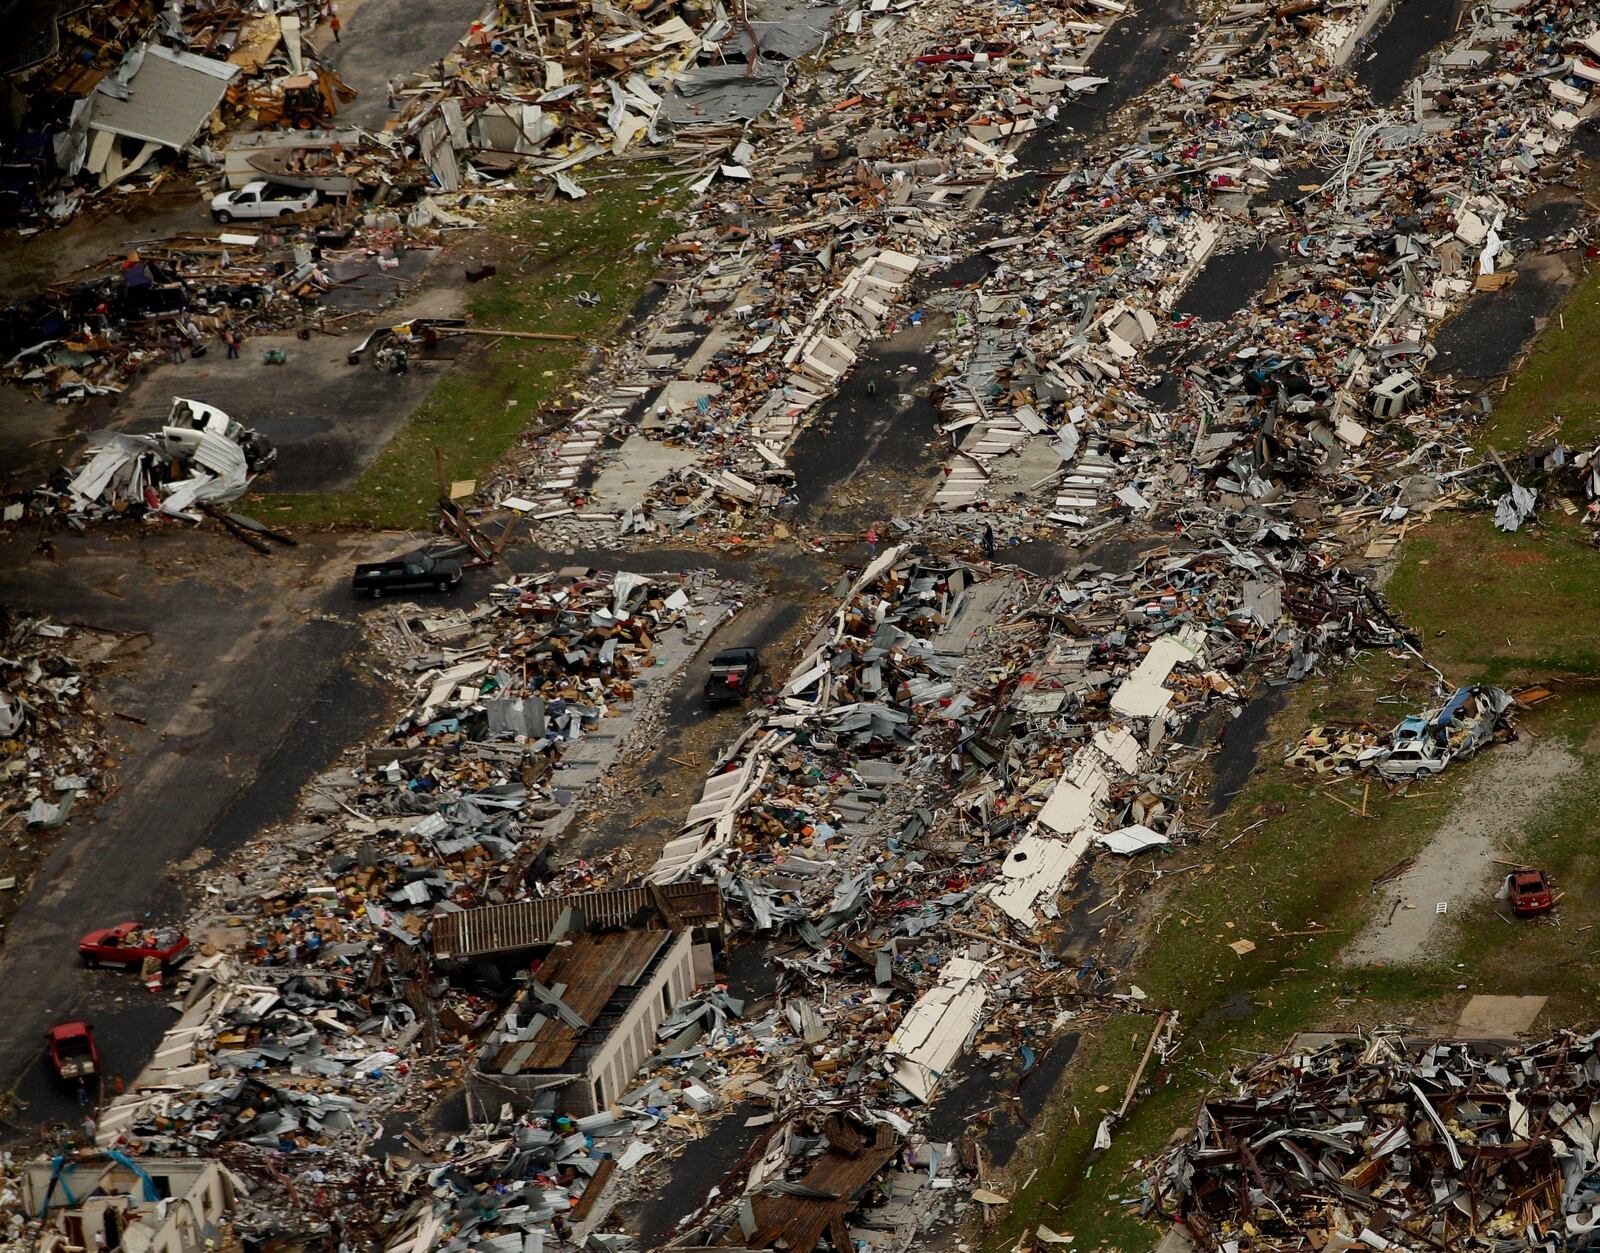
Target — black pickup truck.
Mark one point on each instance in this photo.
(415, 572)
(733, 671)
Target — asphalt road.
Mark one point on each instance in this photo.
(1490, 332)
(254, 680)
(251, 683)
(1397, 49)
(382, 37)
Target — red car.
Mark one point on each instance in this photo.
(127, 944)
(1530, 893)
(71, 1049)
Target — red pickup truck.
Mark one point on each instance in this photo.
(127, 944)
(72, 1052)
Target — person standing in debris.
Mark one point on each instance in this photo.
(872, 542)
(394, 96)
(175, 348)
(988, 541)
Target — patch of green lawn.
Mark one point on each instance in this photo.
(605, 244)
(1513, 607)
(1561, 377)
(1502, 608)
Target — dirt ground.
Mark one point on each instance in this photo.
(1460, 861)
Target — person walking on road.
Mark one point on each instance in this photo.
(230, 337)
(333, 25)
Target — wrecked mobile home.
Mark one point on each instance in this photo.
(932, 835)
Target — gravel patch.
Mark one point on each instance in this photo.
(1458, 865)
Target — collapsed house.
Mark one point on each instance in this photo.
(112, 93)
(574, 1039)
(1392, 1142)
(806, 1183)
(111, 1200)
(157, 100)
(606, 969)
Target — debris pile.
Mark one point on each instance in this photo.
(1389, 1142)
(312, 1008)
(1306, 400)
(803, 252)
(1334, 749)
(200, 457)
(1423, 744)
(52, 737)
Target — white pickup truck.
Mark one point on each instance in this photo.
(260, 200)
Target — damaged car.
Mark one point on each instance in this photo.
(1423, 744)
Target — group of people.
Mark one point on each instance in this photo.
(231, 340)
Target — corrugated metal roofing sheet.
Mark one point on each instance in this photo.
(170, 96)
(527, 924)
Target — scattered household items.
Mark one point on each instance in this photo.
(415, 572)
(1395, 394)
(1390, 1142)
(53, 743)
(129, 944)
(391, 359)
(71, 1051)
(733, 671)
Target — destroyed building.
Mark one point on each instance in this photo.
(1390, 1141)
(603, 970)
(574, 1039)
(157, 99)
(110, 1200)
